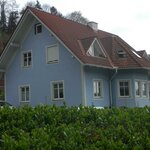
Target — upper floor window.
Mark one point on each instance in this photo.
(124, 88)
(52, 54)
(121, 53)
(96, 49)
(38, 28)
(97, 88)
(27, 59)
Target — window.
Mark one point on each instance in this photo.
(58, 90)
(97, 88)
(27, 59)
(52, 54)
(124, 88)
(96, 50)
(141, 89)
(38, 28)
(24, 94)
(137, 88)
(144, 89)
(121, 53)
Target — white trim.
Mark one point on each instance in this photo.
(22, 59)
(101, 48)
(13, 35)
(52, 92)
(5, 86)
(19, 93)
(101, 89)
(83, 85)
(147, 88)
(56, 37)
(46, 48)
(137, 96)
(118, 88)
(36, 25)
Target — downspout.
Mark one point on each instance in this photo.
(110, 86)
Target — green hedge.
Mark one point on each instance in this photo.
(63, 128)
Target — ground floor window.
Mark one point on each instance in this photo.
(141, 89)
(124, 88)
(97, 88)
(57, 90)
(25, 93)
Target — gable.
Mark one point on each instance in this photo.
(96, 49)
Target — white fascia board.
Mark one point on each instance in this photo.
(56, 37)
(100, 45)
(13, 36)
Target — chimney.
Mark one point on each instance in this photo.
(93, 25)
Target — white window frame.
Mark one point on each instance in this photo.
(101, 88)
(141, 92)
(52, 90)
(22, 59)
(144, 82)
(20, 94)
(124, 80)
(53, 61)
(139, 88)
(36, 28)
(100, 50)
(149, 90)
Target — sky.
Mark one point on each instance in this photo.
(129, 19)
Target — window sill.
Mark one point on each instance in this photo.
(59, 99)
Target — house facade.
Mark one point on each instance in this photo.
(52, 60)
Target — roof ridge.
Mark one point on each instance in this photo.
(61, 17)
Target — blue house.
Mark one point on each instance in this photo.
(52, 60)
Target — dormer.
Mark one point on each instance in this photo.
(121, 53)
(96, 49)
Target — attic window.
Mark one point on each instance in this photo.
(38, 28)
(121, 53)
(96, 50)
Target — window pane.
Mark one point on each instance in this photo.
(122, 91)
(144, 89)
(137, 88)
(22, 94)
(55, 93)
(55, 86)
(61, 93)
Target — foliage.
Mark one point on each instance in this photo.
(63, 128)
(77, 17)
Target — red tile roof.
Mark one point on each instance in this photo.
(78, 38)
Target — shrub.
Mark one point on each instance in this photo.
(63, 128)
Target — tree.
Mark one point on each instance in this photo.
(77, 17)
(54, 11)
(3, 16)
(12, 21)
(30, 3)
(46, 7)
(38, 5)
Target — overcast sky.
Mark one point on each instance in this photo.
(130, 19)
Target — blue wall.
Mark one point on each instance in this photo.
(132, 75)
(41, 74)
(92, 73)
